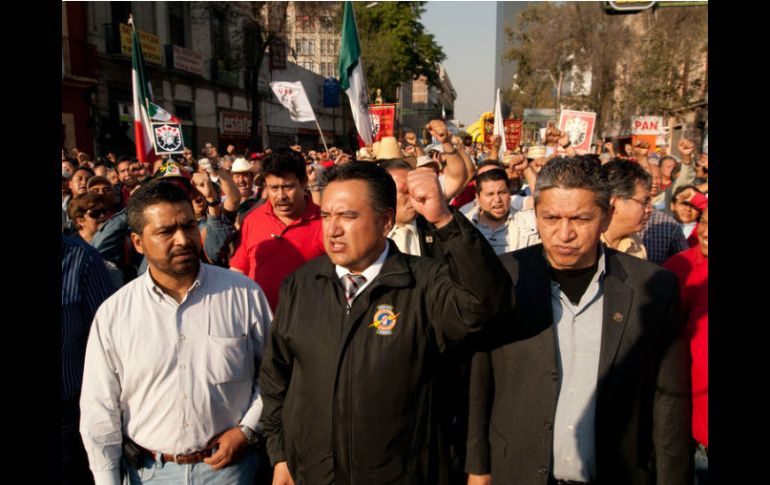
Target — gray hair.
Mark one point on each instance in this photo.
(574, 173)
(622, 177)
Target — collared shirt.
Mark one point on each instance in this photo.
(578, 330)
(631, 245)
(369, 273)
(85, 284)
(170, 375)
(406, 238)
(662, 237)
(270, 250)
(518, 231)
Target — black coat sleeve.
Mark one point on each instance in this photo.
(672, 409)
(274, 378)
(473, 288)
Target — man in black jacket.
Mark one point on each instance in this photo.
(587, 382)
(349, 372)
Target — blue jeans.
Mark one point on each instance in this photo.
(242, 472)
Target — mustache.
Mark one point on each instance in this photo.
(184, 250)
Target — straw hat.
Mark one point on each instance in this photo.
(389, 148)
(536, 151)
(375, 148)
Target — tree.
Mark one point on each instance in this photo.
(242, 34)
(639, 64)
(395, 46)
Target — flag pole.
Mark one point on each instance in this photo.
(321, 132)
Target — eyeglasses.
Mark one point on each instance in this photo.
(95, 213)
(646, 202)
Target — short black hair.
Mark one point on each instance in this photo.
(622, 177)
(494, 174)
(285, 161)
(152, 193)
(382, 188)
(487, 163)
(83, 167)
(394, 164)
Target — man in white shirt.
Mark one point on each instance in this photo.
(170, 383)
(506, 228)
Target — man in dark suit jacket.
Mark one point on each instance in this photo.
(586, 381)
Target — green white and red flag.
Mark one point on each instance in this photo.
(143, 137)
(352, 78)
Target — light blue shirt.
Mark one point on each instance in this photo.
(578, 332)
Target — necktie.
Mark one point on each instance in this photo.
(352, 282)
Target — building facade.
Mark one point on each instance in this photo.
(182, 43)
(419, 102)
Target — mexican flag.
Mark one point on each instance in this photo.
(352, 79)
(143, 137)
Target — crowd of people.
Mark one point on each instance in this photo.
(410, 312)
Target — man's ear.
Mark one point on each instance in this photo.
(389, 218)
(136, 239)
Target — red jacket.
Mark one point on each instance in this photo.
(691, 268)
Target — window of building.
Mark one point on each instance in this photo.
(176, 23)
(219, 33)
(323, 48)
(311, 47)
(326, 24)
(120, 11)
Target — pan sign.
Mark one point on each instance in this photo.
(647, 125)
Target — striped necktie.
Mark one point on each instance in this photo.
(352, 282)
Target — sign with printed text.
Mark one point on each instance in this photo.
(235, 124)
(383, 117)
(150, 44)
(647, 125)
(579, 125)
(186, 60)
(513, 133)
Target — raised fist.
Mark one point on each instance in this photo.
(686, 147)
(552, 135)
(426, 197)
(411, 138)
(438, 129)
(641, 148)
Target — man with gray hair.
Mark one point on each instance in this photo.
(587, 380)
(631, 205)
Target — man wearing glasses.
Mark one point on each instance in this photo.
(631, 206)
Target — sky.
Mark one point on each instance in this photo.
(466, 32)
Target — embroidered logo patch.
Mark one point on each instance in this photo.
(384, 320)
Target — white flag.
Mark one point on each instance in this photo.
(293, 97)
(499, 128)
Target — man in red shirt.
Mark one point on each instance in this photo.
(284, 233)
(691, 267)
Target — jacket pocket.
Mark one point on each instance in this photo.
(229, 359)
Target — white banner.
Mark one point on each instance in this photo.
(293, 97)
(647, 125)
(499, 125)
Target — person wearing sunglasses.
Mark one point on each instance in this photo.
(88, 212)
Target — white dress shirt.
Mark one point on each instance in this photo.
(406, 238)
(170, 375)
(369, 273)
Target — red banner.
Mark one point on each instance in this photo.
(489, 129)
(512, 133)
(383, 120)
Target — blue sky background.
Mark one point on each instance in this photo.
(466, 32)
